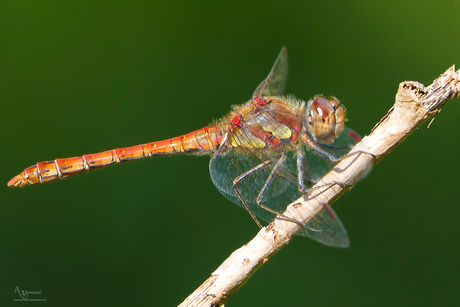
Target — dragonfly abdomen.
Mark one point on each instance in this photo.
(206, 139)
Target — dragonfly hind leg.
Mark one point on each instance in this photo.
(264, 189)
(307, 227)
(240, 178)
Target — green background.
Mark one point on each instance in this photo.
(87, 76)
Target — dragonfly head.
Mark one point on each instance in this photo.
(325, 118)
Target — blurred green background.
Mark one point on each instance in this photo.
(89, 76)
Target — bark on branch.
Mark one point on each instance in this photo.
(414, 105)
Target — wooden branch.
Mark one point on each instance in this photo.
(414, 105)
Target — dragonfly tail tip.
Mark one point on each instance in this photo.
(17, 181)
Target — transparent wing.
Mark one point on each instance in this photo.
(275, 82)
(230, 162)
(326, 228)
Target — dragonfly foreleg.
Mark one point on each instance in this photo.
(320, 151)
(303, 172)
(317, 148)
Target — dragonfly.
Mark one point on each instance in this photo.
(265, 154)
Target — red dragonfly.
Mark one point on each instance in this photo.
(259, 154)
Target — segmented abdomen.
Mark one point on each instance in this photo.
(206, 139)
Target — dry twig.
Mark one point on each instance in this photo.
(414, 105)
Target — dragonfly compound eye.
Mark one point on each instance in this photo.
(326, 118)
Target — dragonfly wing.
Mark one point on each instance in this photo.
(254, 165)
(275, 82)
(228, 164)
(346, 139)
(326, 228)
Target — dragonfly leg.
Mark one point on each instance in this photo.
(265, 188)
(323, 153)
(335, 159)
(318, 148)
(303, 172)
(240, 178)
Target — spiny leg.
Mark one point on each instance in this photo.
(318, 148)
(333, 158)
(304, 175)
(241, 177)
(303, 172)
(265, 188)
(221, 150)
(262, 192)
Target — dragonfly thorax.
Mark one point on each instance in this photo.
(271, 122)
